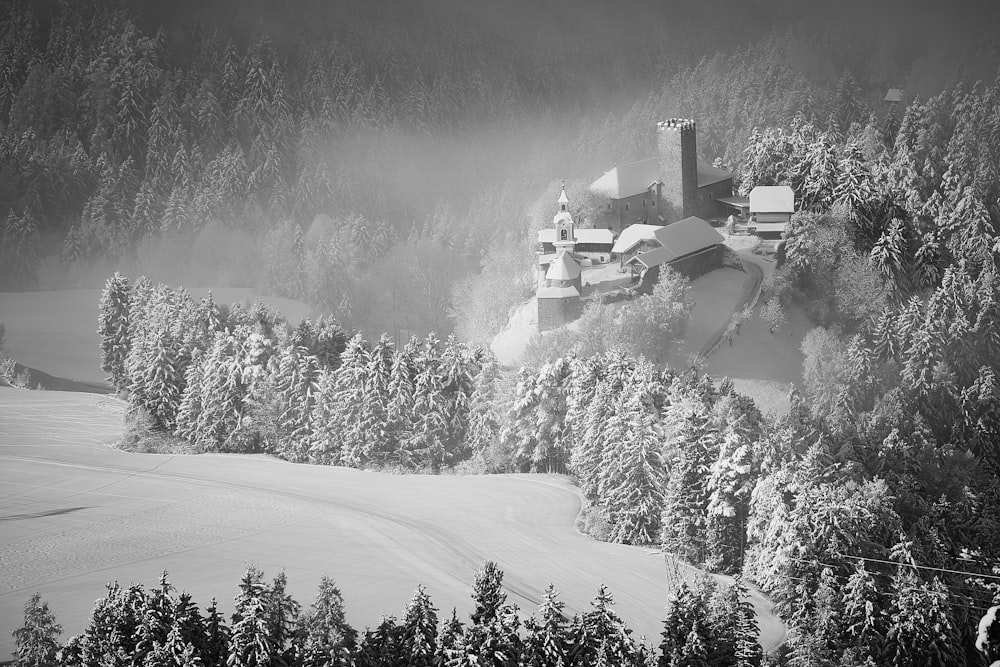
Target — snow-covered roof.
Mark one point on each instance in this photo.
(628, 180)
(683, 237)
(633, 235)
(709, 175)
(583, 236)
(563, 199)
(560, 216)
(772, 199)
(894, 95)
(563, 268)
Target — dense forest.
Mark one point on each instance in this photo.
(390, 167)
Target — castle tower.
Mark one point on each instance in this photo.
(678, 155)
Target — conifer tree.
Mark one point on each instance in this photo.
(420, 630)
(329, 639)
(547, 641)
(250, 642)
(35, 641)
(113, 327)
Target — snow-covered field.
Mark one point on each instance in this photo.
(76, 513)
(56, 331)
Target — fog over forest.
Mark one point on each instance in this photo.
(367, 157)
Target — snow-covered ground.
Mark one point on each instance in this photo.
(77, 514)
(56, 331)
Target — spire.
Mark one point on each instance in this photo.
(563, 200)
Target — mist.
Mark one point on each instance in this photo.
(311, 149)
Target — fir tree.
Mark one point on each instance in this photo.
(113, 327)
(35, 641)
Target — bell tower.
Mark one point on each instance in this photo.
(563, 222)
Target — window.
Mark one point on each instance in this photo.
(562, 234)
(644, 202)
(562, 207)
(626, 206)
(653, 203)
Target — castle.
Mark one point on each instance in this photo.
(653, 216)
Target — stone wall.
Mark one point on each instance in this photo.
(553, 313)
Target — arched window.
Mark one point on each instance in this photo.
(562, 234)
(562, 207)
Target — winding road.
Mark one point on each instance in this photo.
(76, 513)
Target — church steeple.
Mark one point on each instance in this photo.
(563, 200)
(563, 222)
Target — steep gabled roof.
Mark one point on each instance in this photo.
(709, 175)
(689, 235)
(633, 235)
(772, 199)
(894, 95)
(654, 257)
(628, 180)
(684, 237)
(563, 268)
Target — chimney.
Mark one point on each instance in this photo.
(678, 153)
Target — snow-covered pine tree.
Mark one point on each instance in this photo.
(344, 425)
(329, 639)
(399, 408)
(547, 641)
(599, 636)
(324, 444)
(250, 640)
(113, 327)
(427, 447)
(691, 445)
(420, 630)
(484, 425)
(35, 641)
(634, 493)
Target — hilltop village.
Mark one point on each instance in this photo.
(663, 210)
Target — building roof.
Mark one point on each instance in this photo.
(709, 175)
(772, 199)
(593, 236)
(894, 95)
(557, 292)
(689, 235)
(738, 202)
(563, 199)
(628, 180)
(563, 268)
(654, 257)
(683, 237)
(625, 180)
(633, 235)
(560, 216)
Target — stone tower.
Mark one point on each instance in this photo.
(678, 154)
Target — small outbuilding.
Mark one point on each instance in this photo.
(771, 208)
